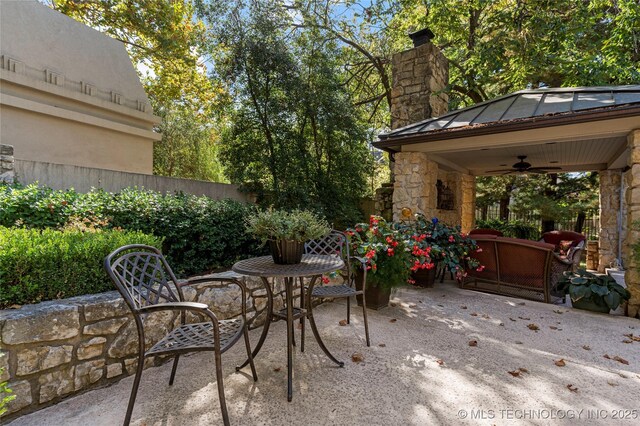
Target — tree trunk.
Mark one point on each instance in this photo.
(484, 212)
(582, 216)
(549, 224)
(504, 209)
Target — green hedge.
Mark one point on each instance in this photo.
(200, 234)
(38, 265)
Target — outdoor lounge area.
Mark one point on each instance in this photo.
(423, 367)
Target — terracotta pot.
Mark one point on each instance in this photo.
(589, 305)
(425, 278)
(286, 252)
(375, 297)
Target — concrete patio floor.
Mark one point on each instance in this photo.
(419, 370)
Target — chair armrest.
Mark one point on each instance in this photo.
(177, 306)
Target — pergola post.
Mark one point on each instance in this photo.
(414, 186)
(632, 263)
(610, 218)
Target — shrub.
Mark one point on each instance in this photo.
(38, 265)
(514, 229)
(200, 234)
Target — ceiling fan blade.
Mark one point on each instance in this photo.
(505, 171)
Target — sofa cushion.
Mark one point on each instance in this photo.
(554, 237)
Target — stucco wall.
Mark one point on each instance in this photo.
(70, 94)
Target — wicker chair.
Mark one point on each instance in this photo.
(334, 244)
(147, 284)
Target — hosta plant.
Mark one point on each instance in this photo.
(602, 290)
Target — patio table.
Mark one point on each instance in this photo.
(312, 266)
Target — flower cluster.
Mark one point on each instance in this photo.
(383, 252)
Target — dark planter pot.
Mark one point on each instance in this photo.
(589, 305)
(375, 297)
(425, 278)
(286, 252)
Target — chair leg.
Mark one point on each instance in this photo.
(366, 322)
(302, 306)
(249, 354)
(348, 310)
(173, 369)
(134, 390)
(223, 403)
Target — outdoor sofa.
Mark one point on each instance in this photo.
(516, 267)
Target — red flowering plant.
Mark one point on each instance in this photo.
(383, 252)
(437, 243)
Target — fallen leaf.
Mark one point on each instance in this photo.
(413, 305)
(393, 320)
(606, 356)
(624, 377)
(572, 388)
(463, 307)
(621, 360)
(382, 345)
(627, 341)
(485, 316)
(524, 370)
(521, 303)
(473, 343)
(512, 319)
(612, 383)
(524, 318)
(558, 311)
(393, 304)
(440, 362)
(15, 306)
(442, 306)
(515, 373)
(553, 327)
(586, 348)
(357, 357)
(276, 369)
(343, 322)
(560, 362)
(518, 342)
(533, 327)
(474, 314)
(632, 337)
(501, 324)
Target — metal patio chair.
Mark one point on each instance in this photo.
(147, 284)
(335, 244)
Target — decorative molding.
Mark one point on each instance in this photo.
(88, 89)
(53, 77)
(116, 98)
(12, 65)
(141, 106)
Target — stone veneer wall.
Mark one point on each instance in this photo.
(384, 201)
(7, 172)
(632, 198)
(415, 187)
(419, 77)
(609, 218)
(58, 348)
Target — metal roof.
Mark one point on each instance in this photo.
(523, 106)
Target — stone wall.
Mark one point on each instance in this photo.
(419, 76)
(55, 349)
(7, 172)
(632, 198)
(610, 218)
(384, 201)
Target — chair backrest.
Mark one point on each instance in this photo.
(554, 237)
(486, 231)
(333, 244)
(142, 276)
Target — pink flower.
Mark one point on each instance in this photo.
(479, 250)
(451, 239)
(480, 268)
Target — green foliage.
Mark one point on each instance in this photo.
(296, 225)
(600, 289)
(383, 251)
(513, 229)
(5, 394)
(199, 234)
(293, 132)
(38, 265)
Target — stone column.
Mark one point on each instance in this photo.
(419, 77)
(632, 196)
(468, 204)
(610, 181)
(7, 172)
(415, 184)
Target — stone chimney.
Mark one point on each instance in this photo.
(419, 78)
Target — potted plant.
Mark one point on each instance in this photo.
(591, 292)
(435, 244)
(286, 232)
(384, 260)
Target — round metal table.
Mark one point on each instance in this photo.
(312, 266)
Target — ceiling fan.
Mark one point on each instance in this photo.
(524, 167)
